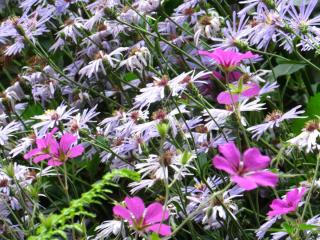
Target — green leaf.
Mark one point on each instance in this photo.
(312, 111)
(287, 69)
(287, 227)
(304, 226)
(154, 236)
(32, 110)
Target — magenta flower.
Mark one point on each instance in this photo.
(236, 92)
(42, 151)
(64, 150)
(248, 171)
(289, 204)
(144, 219)
(227, 59)
(56, 153)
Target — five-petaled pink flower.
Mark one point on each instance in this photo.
(288, 204)
(56, 153)
(144, 219)
(228, 60)
(248, 171)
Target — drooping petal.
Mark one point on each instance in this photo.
(244, 183)
(254, 160)
(41, 157)
(155, 214)
(162, 229)
(122, 212)
(31, 153)
(227, 98)
(231, 153)
(66, 141)
(223, 164)
(136, 206)
(75, 151)
(53, 162)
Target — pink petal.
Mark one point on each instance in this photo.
(244, 183)
(75, 151)
(254, 160)
(278, 212)
(278, 204)
(223, 164)
(227, 98)
(162, 229)
(66, 141)
(31, 153)
(263, 178)
(253, 90)
(136, 206)
(53, 162)
(122, 212)
(231, 153)
(155, 213)
(54, 148)
(41, 157)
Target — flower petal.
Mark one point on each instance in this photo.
(155, 213)
(162, 229)
(75, 151)
(31, 153)
(135, 206)
(227, 98)
(41, 157)
(244, 182)
(264, 178)
(53, 162)
(223, 164)
(254, 160)
(231, 153)
(66, 141)
(122, 212)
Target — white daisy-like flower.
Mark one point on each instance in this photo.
(81, 120)
(207, 26)
(23, 145)
(158, 166)
(108, 228)
(52, 118)
(273, 120)
(139, 58)
(307, 139)
(6, 131)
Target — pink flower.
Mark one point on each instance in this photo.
(56, 153)
(144, 219)
(42, 152)
(236, 92)
(227, 59)
(63, 151)
(288, 204)
(248, 171)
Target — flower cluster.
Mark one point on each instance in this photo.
(209, 108)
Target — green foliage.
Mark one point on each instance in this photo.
(55, 225)
(287, 69)
(312, 111)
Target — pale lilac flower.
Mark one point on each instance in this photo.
(52, 118)
(248, 171)
(207, 26)
(273, 120)
(307, 139)
(108, 228)
(8, 130)
(139, 58)
(288, 204)
(144, 219)
(234, 34)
